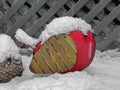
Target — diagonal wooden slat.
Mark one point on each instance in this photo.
(76, 8)
(96, 10)
(55, 57)
(107, 20)
(1, 2)
(26, 17)
(11, 1)
(34, 67)
(11, 11)
(48, 59)
(109, 39)
(42, 63)
(33, 29)
(62, 54)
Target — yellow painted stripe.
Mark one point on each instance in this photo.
(62, 54)
(35, 67)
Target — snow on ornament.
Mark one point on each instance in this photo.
(67, 44)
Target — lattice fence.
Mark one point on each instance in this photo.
(33, 15)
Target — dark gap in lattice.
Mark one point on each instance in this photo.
(46, 6)
(96, 1)
(56, 15)
(116, 2)
(75, 15)
(23, 9)
(8, 3)
(106, 11)
(96, 18)
(102, 14)
(27, 4)
(38, 14)
(85, 9)
(41, 12)
(116, 21)
(75, 1)
(66, 7)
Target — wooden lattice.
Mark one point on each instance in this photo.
(33, 15)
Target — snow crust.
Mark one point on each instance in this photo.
(102, 74)
(8, 48)
(63, 25)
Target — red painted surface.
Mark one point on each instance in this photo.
(85, 49)
(38, 45)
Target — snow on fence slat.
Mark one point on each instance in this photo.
(33, 15)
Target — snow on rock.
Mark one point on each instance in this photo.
(25, 39)
(63, 25)
(102, 74)
(8, 48)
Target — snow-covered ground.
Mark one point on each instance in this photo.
(102, 74)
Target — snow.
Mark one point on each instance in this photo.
(22, 37)
(63, 25)
(102, 74)
(8, 48)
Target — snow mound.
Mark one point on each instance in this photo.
(102, 74)
(8, 48)
(22, 37)
(63, 25)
